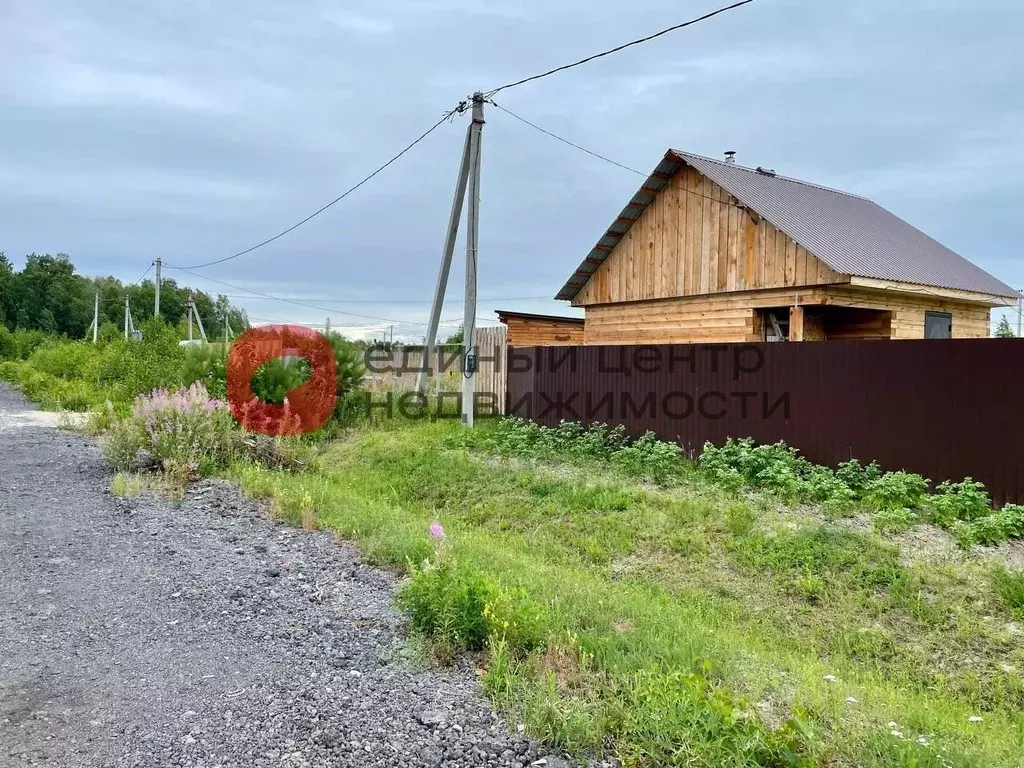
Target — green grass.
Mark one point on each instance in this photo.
(675, 625)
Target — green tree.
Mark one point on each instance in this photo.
(1004, 331)
(6, 286)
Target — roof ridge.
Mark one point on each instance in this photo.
(683, 154)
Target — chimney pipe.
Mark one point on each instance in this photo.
(730, 157)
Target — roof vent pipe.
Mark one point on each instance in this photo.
(730, 157)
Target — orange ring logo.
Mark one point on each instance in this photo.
(307, 407)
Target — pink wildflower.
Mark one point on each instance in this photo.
(437, 531)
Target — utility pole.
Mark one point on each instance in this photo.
(96, 318)
(127, 315)
(199, 321)
(446, 262)
(190, 311)
(327, 327)
(156, 295)
(1020, 309)
(472, 238)
(227, 328)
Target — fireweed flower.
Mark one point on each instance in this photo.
(437, 531)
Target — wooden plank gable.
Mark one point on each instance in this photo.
(696, 239)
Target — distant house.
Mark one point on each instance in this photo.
(710, 251)
(526, 330)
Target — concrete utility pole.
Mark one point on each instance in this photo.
(190, 311)
(156, 295)
(199, 321)
(1020, 309)
(446, 262)
(227, 328)
(127, 315)
(472, 238)
(96, 318)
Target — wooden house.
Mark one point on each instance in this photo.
(710, 251)
(527, 330)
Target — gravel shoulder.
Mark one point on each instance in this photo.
(143, 633)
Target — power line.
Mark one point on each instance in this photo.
(139, 281)
(458, 110)
(566, 141)
(402, 301)
(609, 52)
(606, 159)
(259, 294)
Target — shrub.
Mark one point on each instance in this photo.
(447, 602)
(896, 490)
(649, 457)
(127, 368)
(29, 341)
(349, 366)
(66, 360)
(856, 477)
(275, 378)
(966, 500)
(206, 364)
(1007, 523)
(8, 344)
(777, 469)
(187, 428)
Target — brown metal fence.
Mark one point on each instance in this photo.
(944, 408)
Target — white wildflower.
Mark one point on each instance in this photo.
(830, 678)
(922, 740)
(897, 734)
(850, 700)
(892, 724)
(974, 719)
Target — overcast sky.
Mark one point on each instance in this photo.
(191, 129)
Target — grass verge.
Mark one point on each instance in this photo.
(680, 626)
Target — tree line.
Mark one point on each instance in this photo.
(48, 295)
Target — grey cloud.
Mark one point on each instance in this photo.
(191, 130)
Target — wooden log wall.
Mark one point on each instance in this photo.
(696, 239)
(537, 332)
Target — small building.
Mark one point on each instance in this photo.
(710, 251)
(526, 330)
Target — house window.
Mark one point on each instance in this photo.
(938, 325)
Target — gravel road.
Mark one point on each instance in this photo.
(140, 633)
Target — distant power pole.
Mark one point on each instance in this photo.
(156, 295)
(1020, 310)
(190, 311)
(127, 316)
(96, 318)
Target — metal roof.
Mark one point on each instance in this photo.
(503, 314)
(851, 234)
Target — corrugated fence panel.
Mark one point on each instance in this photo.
(944, 408)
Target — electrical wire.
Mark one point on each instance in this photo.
(606, 159)
(566, 141)
(447, 116)
(139, 281)
(609, 52)
(404, 301)
(258, 294)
